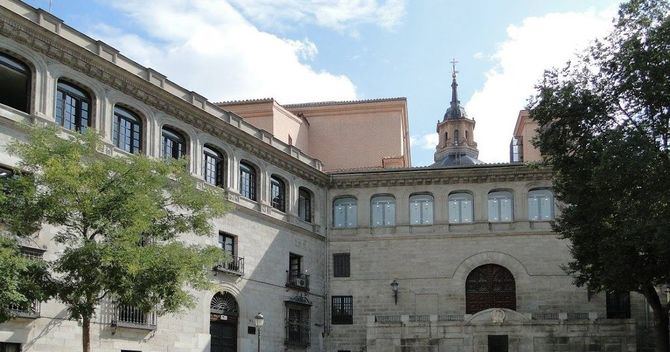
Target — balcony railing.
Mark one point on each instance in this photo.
(297, 334)
(297, 281)
(235, 266)
(128, 316)
(30, 312)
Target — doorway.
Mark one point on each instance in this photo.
(498, 343)
(223, 320)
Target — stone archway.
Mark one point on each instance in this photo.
(223, 320)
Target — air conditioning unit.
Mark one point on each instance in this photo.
(301, 282)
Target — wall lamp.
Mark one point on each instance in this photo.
(394, 287)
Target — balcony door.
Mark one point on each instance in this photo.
(223, 319)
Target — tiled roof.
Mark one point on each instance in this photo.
(245, 101)
(343, 102)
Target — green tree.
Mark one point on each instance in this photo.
(121, 223)
(604, 127)
(23, 280)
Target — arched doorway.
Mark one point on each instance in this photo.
(489, 286)
(223, 317)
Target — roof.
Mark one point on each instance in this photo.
(457, 160)
(343, 102)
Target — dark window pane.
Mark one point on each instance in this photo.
(247, 181)
(278, 193)
(618, 305)
(127, 130)
(174, 144)
(72, 107)
(227, 243)
(341, 265)
(305, 205)
(213, 166)
(14, 83)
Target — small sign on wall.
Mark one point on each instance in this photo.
(251, 330)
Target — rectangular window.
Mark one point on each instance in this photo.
(10, 347)
(297, 325)
(227, 243)
(618, 305)
(341, 265)
(294, 265)
(342, 310)
(304, 205)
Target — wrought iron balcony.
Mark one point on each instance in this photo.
(128, 316)
(297, 281)
(234, 266)
(297, 334)
(31, 311)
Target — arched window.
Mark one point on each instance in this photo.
(489, 286)
(460, 208)
(127, 130)
(247, 181)
(421, 209)
(466, 136)
(500, 206)
(14, 83)
(540, 205)
(382, 209)
(446, 138)
(345, 212)
(455, 137)
(305, 204)
(213, 165)
(73, 107)
(174, 143)
(277, 193)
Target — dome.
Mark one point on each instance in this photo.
(455, 111)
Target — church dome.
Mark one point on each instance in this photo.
(455, 111)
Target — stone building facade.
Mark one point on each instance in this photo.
(342, 247)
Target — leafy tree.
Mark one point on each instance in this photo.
(604, 128)
(121, 224)
(23, 279)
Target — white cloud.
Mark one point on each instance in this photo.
(208, 46)
(427, 141)
(335, 14)
(538, 43)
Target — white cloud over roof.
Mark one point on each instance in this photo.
(210, 47)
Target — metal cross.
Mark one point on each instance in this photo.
(453, 67)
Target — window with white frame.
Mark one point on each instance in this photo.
(540, 205)
(345, 212)
(460, 208)
(382, 209)
(421, 209)
(500, 206)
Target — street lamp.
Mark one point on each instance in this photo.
(394, 287)
(258, 319)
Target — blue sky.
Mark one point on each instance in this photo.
(298, 51)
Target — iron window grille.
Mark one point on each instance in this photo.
(342, 310)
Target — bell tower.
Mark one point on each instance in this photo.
(457, 144)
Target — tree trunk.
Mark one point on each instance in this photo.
(86, 334)
(661, 331)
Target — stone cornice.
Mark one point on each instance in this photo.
(434, 176)
(53, 46)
